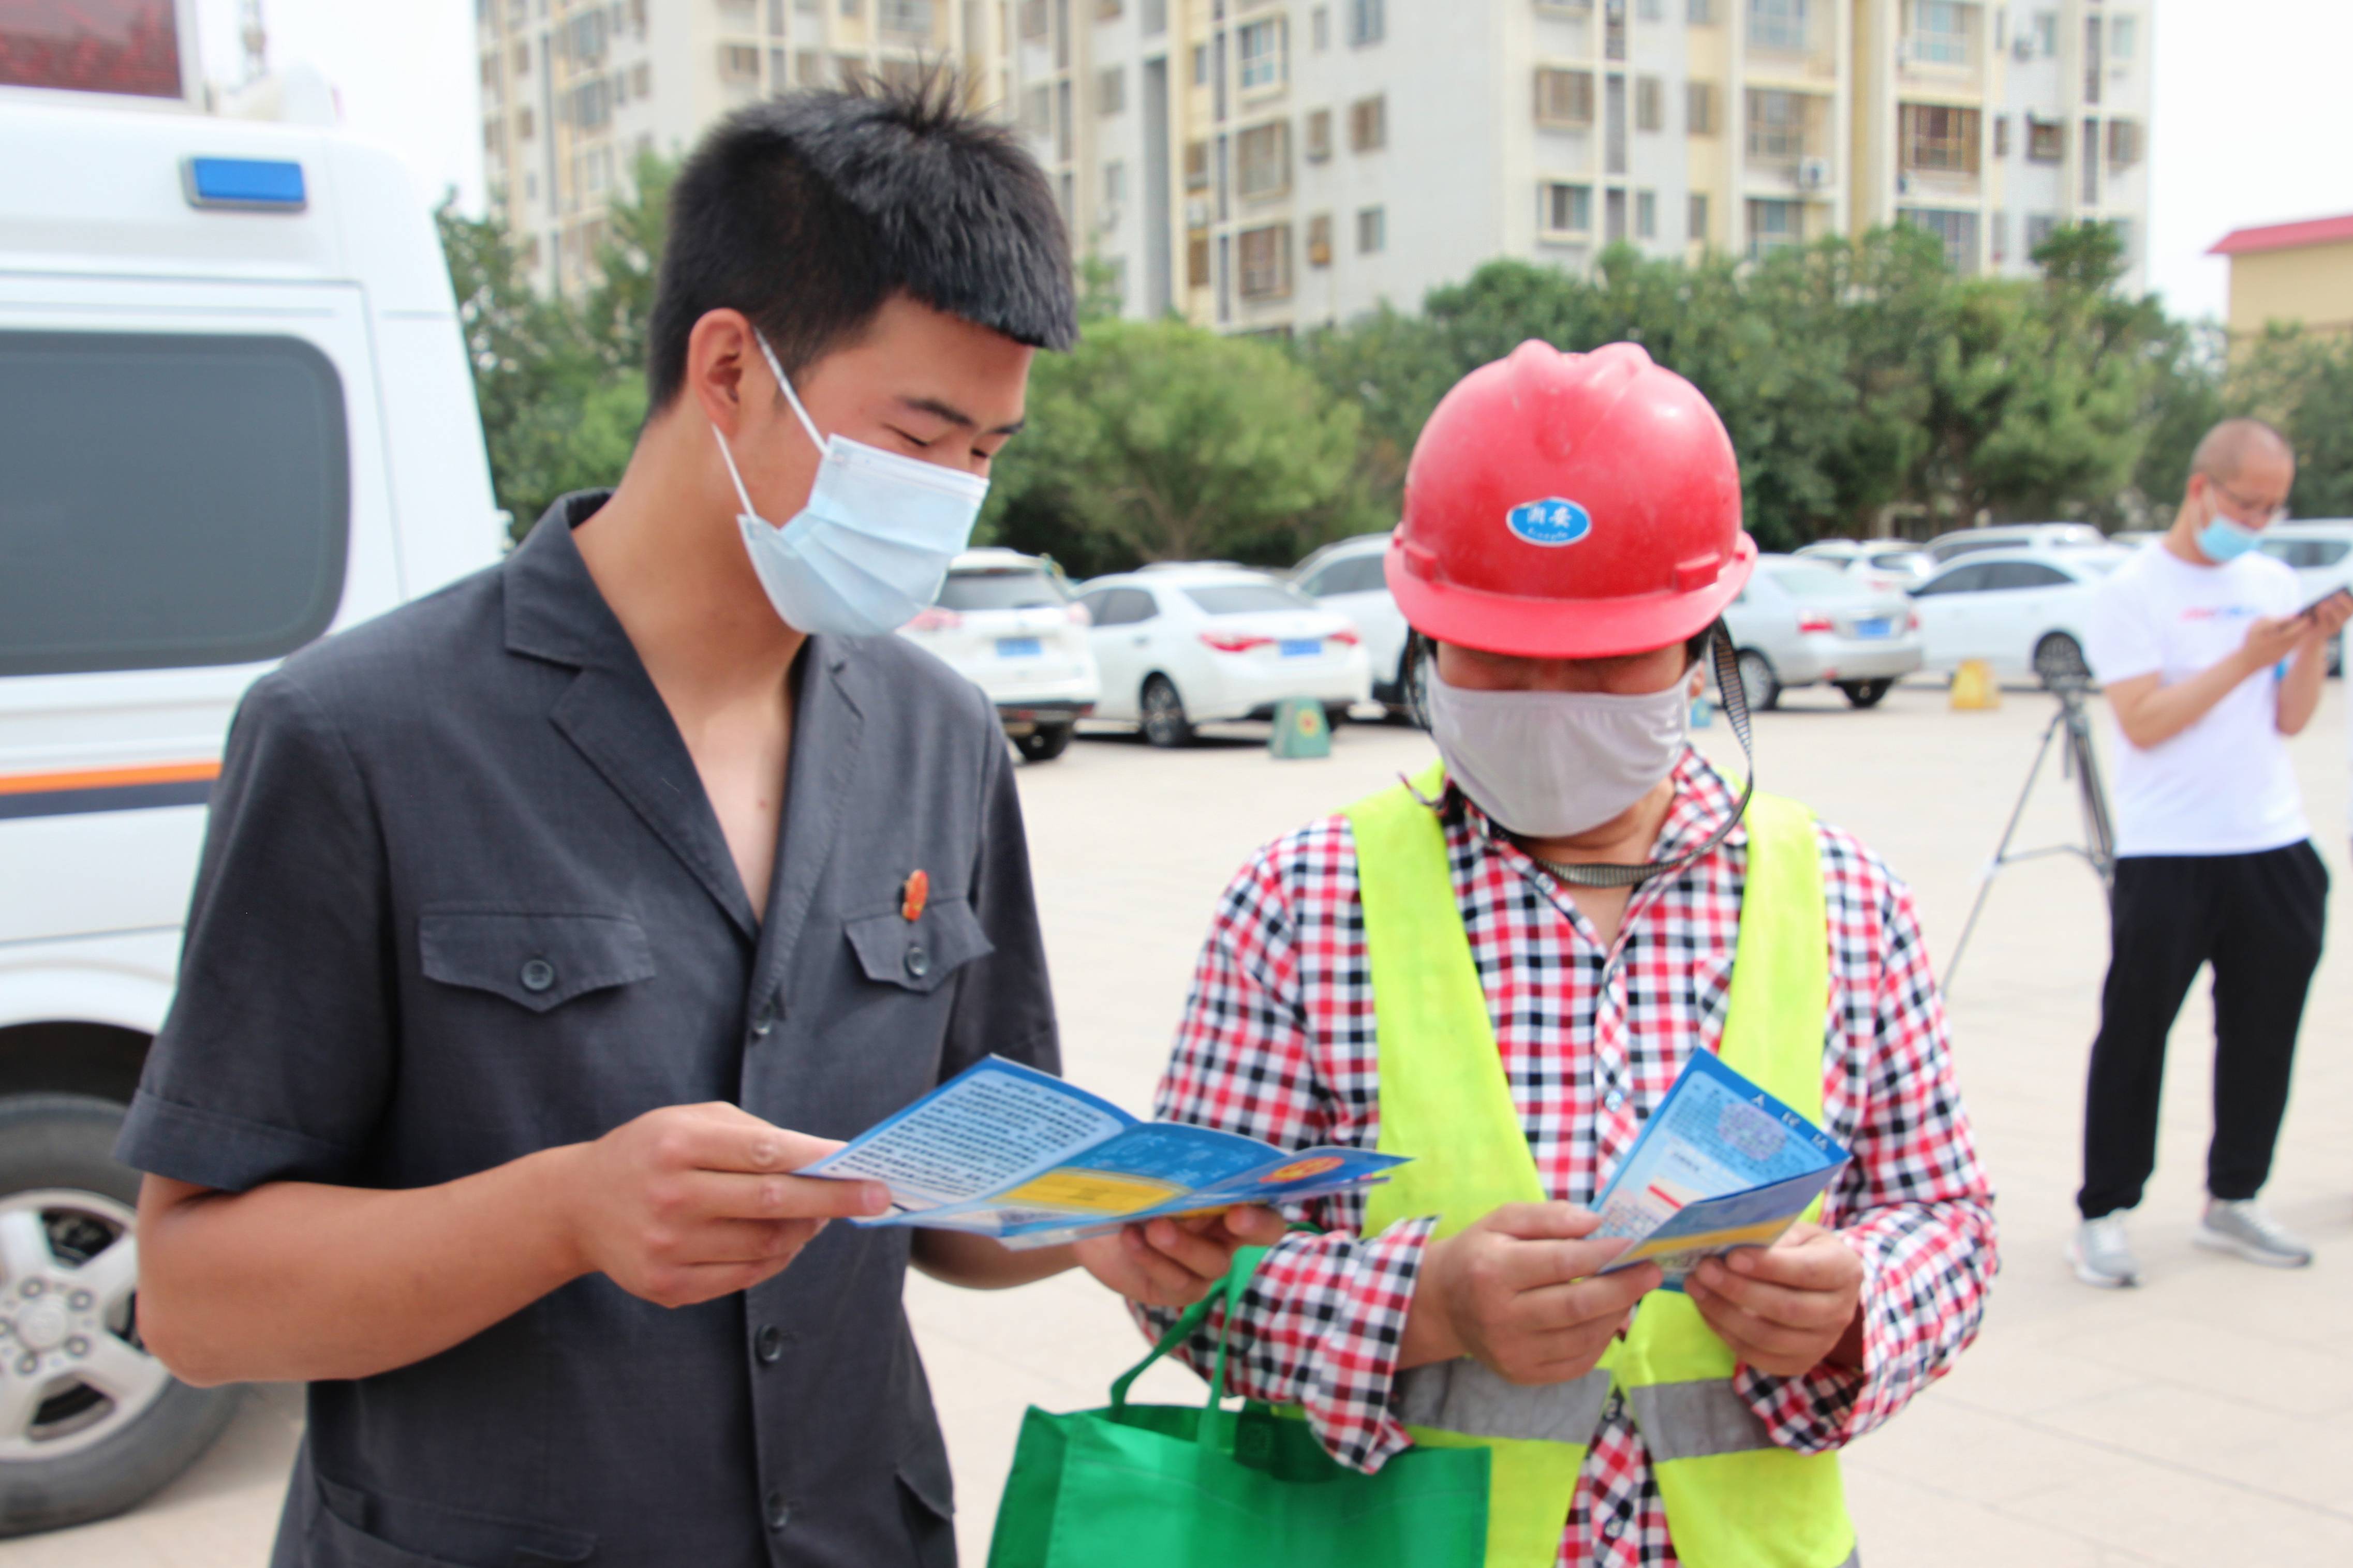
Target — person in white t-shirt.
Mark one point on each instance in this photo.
(2209, 664)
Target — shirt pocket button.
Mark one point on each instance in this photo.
(538, 975)
(919, 961)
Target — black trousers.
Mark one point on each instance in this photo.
(2258, 920)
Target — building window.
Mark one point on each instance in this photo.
(1372, 230)
(1938, 140)
(1262, 159)
(1957, 230)
(1259, 46)
(2124, 38)
(2001, 135)
(1940, 31)
(1699, 108)
(1197, 164)
(1563, 98)
(1778, 24)
(1777, 126)
(1369, 125)
(523, 125)
(1319, 135)
(809, 69)
(1564, 210)
(1651, 10)
(2124, 143)
(1700, 13)
(1319, 240)
(904, 19)
(1196, 259)
(2090, 162)
(1035, 23)
(1773, 224)
(1319, 25)
(1695, 218)
(1650, 95)
(1036, 108)
(2046, 33)
(1369, 21)
(523, 60)
(2046, 140)
(1111, 91)
(1105, 10)
(1201, 65)
(739, 62)
(1114, 192)
(850, 9)
(2038, 229)
(1266, 262)
(1998, 236)
(1646, 215)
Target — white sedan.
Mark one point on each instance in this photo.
(2021, 611)
(1006, 622)
(1179, 646)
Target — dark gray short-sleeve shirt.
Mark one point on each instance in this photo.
(463, 898)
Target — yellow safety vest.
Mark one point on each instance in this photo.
(1733, 1498)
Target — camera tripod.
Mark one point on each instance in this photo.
(2078, 760)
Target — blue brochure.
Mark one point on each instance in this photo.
(1009, 1152)
(1720, 1164)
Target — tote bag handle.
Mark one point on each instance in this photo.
(1227, 1290)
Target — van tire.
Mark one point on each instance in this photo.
(66, 1142)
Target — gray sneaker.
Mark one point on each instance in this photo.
(2242, 1227)
(2101, 1254)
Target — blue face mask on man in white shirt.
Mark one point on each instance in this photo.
(872, 547)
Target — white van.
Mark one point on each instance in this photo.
(235, 416)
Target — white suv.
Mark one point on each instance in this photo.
(1005, 620)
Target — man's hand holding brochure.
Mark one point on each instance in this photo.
(1005, 1151)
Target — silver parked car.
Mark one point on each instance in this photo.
(1949, 547)
(1801, 622)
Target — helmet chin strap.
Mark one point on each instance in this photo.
(1735, 709)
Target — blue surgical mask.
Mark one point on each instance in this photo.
(870, 549)
(2224, 538)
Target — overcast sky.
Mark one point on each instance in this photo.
(2252, 121)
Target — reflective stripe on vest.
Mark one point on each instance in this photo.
(1733, 1498)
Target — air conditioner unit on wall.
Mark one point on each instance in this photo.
(2021, 47)
(1813, 173)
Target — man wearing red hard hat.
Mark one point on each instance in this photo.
(1500, 967)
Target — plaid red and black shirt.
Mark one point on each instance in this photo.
(1277, 1043)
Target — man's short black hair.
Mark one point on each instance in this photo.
(807, 212)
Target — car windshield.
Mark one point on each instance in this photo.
(1021, 588)
(1807, 580)
(1248, 599)
(1902, 560)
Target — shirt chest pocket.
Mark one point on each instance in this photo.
(535, 961)
(921, 953)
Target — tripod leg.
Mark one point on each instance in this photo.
(2001, 850)
(2098, 827)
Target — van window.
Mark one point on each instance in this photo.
(167, 501)
(1018, 588)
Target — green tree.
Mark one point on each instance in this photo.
(2302, 383)
(1161, 441)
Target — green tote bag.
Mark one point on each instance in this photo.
(1169, 1485)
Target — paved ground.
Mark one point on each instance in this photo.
(2205, 1419)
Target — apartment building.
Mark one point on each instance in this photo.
(1267, 165)
(574, 90)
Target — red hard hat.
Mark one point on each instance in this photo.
(1570, 506)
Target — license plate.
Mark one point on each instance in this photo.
(1879, 627)
(1302, 648)
(1019, 648)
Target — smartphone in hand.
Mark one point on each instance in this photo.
(2333, 592)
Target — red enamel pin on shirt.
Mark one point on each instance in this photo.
(913, 894)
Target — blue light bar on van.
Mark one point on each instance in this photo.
(250, 184)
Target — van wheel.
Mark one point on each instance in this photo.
(1164, 723)
(90, 1422)
(1044, 743)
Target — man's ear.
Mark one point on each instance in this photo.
(719, 352)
